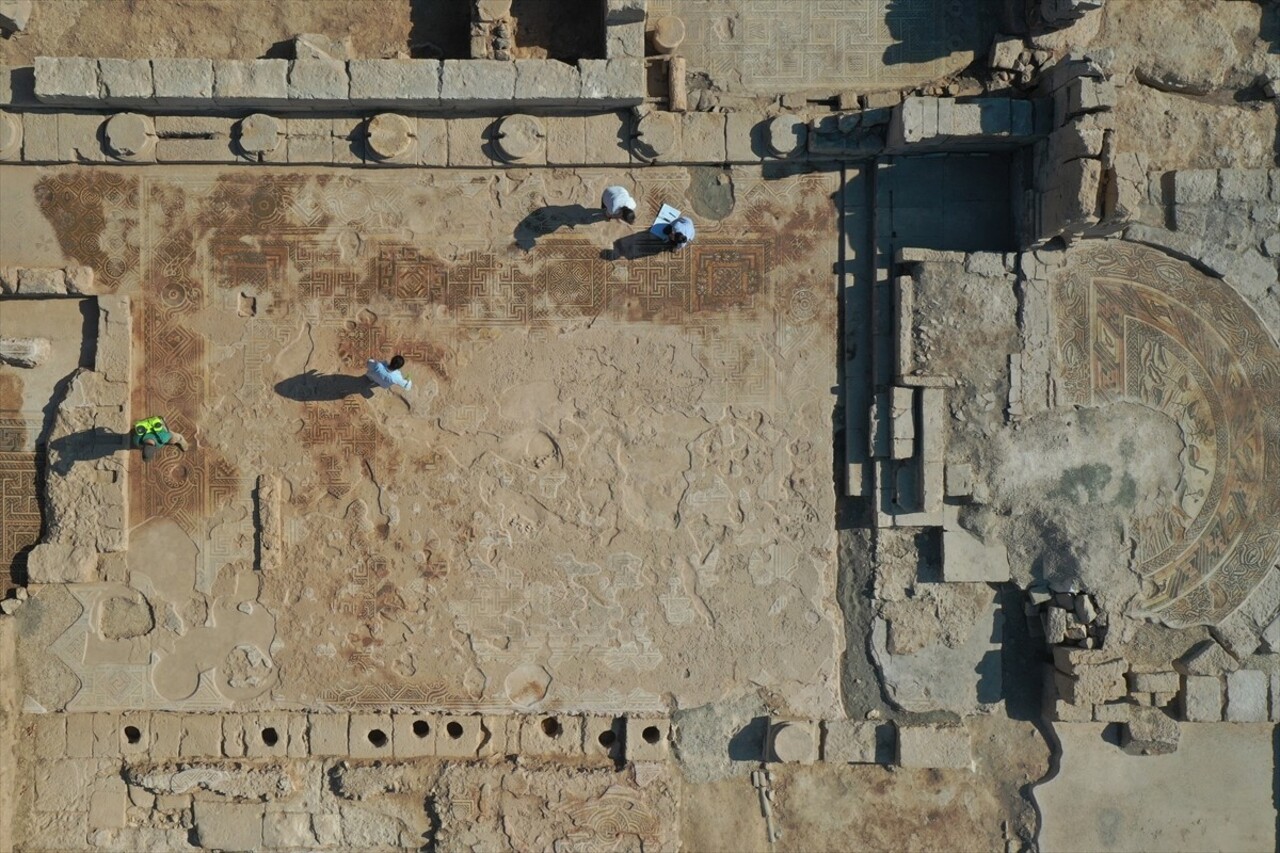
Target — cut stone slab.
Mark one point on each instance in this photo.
(395, 82)
(933, 746)
(126, 82)
(68, 80)
(1202, 699)
(182, 82)
(253, 82)
(318, 82)
(1247, 696)
(477, 82)
(858, 742)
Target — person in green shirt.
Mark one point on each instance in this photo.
(153, 432)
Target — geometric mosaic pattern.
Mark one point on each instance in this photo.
(1136, 325)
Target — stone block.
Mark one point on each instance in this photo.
(309, 149)
(370, 736)
(743, 137)
(180, 150)
(201, 736)
(602, 738)
(470, 142)
(106, 735)
(80, 138)
(1275, 698)
(40, 137)
(299, 735)
(433, 142)
(967, 559)
(647, 738)
(1093, 684)
(1086, 95)
(566, 140)
(1153, 682)
(613, 82)
(126, 82)
(551, 735)
(107, 804)
(546, 82)
(1202, 698)
(858, 742)
(606, 139)
(704, 137)
(251, 82)
(51, 736)
(1243, 184)
(934, 746)
(288, 830)
(477, 83)
(41, 282)
(182, 82)
(1195, 186)
(135, 733)
(1113, 712)
(233, 737)
(228, 826)
(395, 82)
(318, 83)
(79, 735)
(1247, 696)
(15, 14)
(67, 81)
(959, 478)
(625, 41)
(459, 736)
(266, 735)
(1149, 731)
(414, 735)
(328, 734)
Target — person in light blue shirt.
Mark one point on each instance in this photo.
(679, 232)
(386, 374)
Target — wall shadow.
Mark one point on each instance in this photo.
(84, 446)
(924, 30)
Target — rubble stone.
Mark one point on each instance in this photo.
(1149, 731)
(1206, 658)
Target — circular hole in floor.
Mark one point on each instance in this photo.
(132, 734)
(551, 727)
(421, 728)
(270, 736)
(454, 729)
(607, 738)
(651, 734)
(377, 737)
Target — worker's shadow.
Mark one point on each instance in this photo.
(84, 446)
(642, 244)
(546, 220)
(312, 387)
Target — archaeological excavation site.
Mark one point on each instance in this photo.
(639, 425)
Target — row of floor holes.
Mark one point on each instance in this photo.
(550, 727)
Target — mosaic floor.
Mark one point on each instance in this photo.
(614, 467)
(1136, 325)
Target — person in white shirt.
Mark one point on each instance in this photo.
(386, 374)
(617, 203)
(679, 232)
